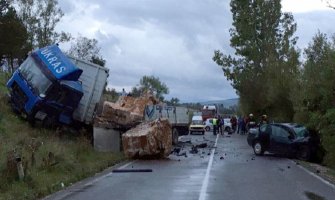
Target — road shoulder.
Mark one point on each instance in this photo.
(321, 171)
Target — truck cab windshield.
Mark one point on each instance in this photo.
(34, 76)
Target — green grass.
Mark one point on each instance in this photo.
(50, 158)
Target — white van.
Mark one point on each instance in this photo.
(197, 125)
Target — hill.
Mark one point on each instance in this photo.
(226, 103)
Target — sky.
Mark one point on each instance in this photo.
(174, 40)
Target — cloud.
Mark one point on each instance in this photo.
(169, 39)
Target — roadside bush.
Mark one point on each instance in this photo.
(327, 129)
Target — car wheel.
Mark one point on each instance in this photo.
(207, 128)
(258, 148)
(175, 136)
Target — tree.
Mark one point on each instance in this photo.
(173, 102)
(87, 49)
(13, 34)
(153, 84)
(40, 18)
(330, 3)
(265, 58)
(315, 94)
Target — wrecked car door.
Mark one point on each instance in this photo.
(280, 140)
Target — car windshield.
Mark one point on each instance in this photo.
(197, 122)
(34, 76)
(300, 131)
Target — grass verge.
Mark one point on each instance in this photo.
(51, 159)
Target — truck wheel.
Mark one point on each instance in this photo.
(175, 136)
(31, 118)
(49, 122)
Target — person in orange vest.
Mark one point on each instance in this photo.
(215, 125)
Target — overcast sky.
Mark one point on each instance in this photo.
(174, 40)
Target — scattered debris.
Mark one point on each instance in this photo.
(221, 158)
(202, 145)
(131, 170)
(253, 158)
(281, 169)
(194, 150)
(288, 167)
(176, 150)
(182, 154)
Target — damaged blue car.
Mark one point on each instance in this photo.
(287, 139)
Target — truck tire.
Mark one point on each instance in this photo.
(31, 118)
(175, 136)
(49, 122)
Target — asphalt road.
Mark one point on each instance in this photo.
(225, 169)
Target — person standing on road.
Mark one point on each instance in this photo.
(233, 122)
(264, 120)
(215, 124)
(239, 124)
(220, 125)
(251, 122)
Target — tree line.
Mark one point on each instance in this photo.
(269, 75)
(29, 24)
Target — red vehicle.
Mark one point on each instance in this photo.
(208, 112)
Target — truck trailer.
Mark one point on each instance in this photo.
(55, 88)
(178, 117)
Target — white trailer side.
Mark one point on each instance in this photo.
(177, 116)
(93, 81)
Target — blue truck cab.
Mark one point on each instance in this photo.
(46, 86)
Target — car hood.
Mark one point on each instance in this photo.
(197, 125)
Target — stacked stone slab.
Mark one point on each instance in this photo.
(149, 140)
(126, 113)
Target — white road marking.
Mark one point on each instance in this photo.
(210, 163)
(316, 176)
